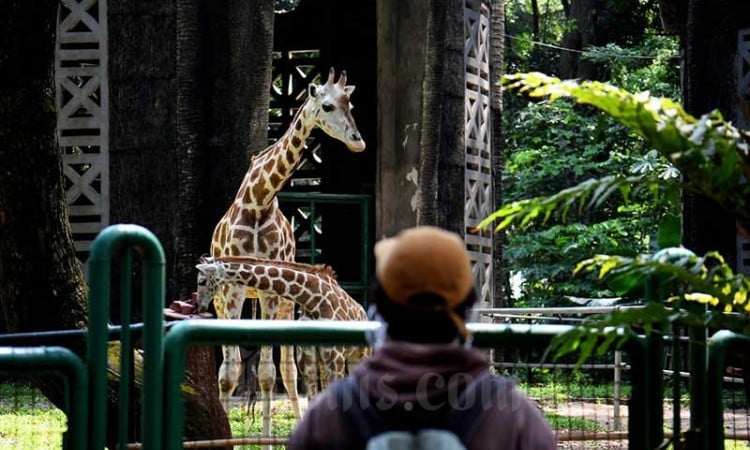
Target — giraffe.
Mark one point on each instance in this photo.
(254, 226)
(314, 288)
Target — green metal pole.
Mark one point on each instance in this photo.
(654, 366)
(61, 361)
(126, 354)
(365, 261)
(698, 364)
(109, 242)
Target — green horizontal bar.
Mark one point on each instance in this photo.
(320, 197)
(59, 360)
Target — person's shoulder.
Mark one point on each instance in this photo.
(324, 424)
(510, 412)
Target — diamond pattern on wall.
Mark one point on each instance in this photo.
(478, 179)
(83, 116)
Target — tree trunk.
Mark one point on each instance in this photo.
(497, 41)
(582, 35)
(431, 112)
(535, 19)
(41, 282)
(443, 120)
(190, 137)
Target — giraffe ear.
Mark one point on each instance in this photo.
(349, 89)
(312, 89)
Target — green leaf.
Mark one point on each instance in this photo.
(669, 234)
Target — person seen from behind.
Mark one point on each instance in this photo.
(424, 386)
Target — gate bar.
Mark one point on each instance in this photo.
(111, 241)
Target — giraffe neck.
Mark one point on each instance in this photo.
(270, 169)
(306, 285)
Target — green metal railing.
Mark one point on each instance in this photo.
(124, 240)
(60, 362)
(310, 200)
(188, 333)
(718, 345)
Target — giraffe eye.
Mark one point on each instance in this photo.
(327, 107)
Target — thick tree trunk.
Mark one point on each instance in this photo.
(431, 112)
(41, 282)
(443, 116)
(497, 40)
(190, 134)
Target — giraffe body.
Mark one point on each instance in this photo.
(253, 225)
(313, 288)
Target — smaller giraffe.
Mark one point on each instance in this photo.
(314, 288)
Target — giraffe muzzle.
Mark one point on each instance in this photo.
(356, 143)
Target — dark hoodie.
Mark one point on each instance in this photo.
(415, 386)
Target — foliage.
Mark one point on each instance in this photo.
(712, 157)
(709, 152)
(550, 147)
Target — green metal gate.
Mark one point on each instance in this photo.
(60, 362)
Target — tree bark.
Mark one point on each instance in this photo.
(190, 135)
(443, 116)
(497, 41)
(41, 280)
(431, 112)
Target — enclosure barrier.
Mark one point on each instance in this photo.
(123, 241)
(718, 345)
(641, 430)
(65, 364)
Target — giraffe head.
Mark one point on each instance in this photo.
(332, 110)
(210, 274)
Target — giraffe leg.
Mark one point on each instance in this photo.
(307, 361)
(288, 366)
(334, 365)
(230, 307)
(266, 366)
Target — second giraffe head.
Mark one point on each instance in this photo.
(333, 110)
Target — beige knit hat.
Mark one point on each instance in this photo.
(421, 260)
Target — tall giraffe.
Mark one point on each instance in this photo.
(314, 288)
(254, 226)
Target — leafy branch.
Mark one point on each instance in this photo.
(590, 193)
(706, 280)
(711, 154)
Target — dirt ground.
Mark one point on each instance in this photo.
(737, 421)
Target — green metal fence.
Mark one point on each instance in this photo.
(162, 421)
(124, 241)
(643, 429)
(718, 346)
(59, 362)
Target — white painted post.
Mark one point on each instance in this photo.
(616, 394)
